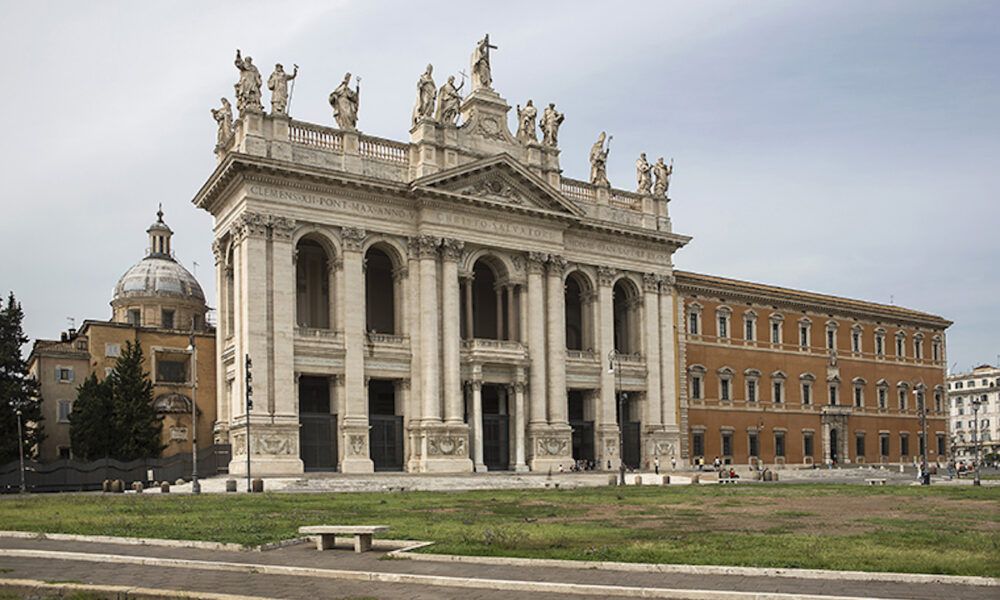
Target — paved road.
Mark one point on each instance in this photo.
(201, 578)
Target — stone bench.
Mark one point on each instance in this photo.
(729, 480)
(875, 481)
(326, 535)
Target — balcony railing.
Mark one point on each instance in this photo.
(578, 190)
(317, 333)
(581, 355)
(386, 338)
(626, 200)
(488, 344)
(382, 149)
(316, 136)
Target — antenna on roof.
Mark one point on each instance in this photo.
(892, 299)
(72, 322)
(195, 263)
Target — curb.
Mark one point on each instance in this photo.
(129, 541)
(120, 591)
(604, 591)
(857, 576)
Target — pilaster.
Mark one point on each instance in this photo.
(606, 442)
(354, 424)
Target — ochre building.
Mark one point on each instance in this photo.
(159, 305)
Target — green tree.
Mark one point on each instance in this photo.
(90, 424)
(135, 425)
(18, 390)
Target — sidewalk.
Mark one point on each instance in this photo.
(299, 571)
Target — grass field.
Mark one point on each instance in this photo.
(906, 529)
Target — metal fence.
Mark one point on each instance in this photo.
(77, 476)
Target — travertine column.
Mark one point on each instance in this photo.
(512, 329)
(222, 404)
(651, 312)
(282, 319)
(536, 338)
(469, 322)
(605, 413)
(450, 328)
(517, 390)
(429, 347)
(476, 386)
(668, 364)
(336, 293)
(556, 341)
(355, 422)
(498, 290)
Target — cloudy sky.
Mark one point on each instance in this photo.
(851, 148)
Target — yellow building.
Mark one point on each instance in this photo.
(159, 305)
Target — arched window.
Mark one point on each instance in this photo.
(487, 302)
(312, 285)
(626, 309)
(380, 292)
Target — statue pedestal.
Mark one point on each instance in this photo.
(274, 448)
(356, 446)
(551, 447)
(440, 448)
(606, 447)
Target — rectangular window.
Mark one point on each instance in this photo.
(693, 323)
(804, 336)
(64, 374)
(936, 351)
(859, 397)
(856, 341)
(112, 350)
(807, 443)
(900, 348)
(724, 390)
(751, 390)
(902, 400)
(859, 445)
(883, 444)
(65, 408)
(64, 453)
(904, 446)
(171, 371)
(880, 345)
(831, 339)
(749, 330)
(775, 333)
(833, 394)
(882, 398)
(752, 443)
(698, 444)
(918, 349)
(958, 385)
(920, 438)
(134, 317)
(807, 392)
(778, 391)
(940, 445)
(696, 387)
(167, 319)
(723, 326)
(779, 443)
(727, 443)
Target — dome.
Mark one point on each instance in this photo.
(158, 276)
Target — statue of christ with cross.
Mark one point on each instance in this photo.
(481, 76)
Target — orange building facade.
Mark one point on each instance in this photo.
(791, 377)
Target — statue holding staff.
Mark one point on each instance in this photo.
(278, 84)
(426, 93)
(345, 102)
(599, 161)
(482, 76)
(662, 173)
(449, 100)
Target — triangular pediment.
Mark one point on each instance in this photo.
(501, 179)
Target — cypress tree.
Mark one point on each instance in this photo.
(90, 424)
(135, 424)
(18, 390)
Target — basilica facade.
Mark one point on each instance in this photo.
(448, 304)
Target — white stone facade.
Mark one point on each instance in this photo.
(982, 383)
(475, 241)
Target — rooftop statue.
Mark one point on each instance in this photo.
(599, 161)
(426, 92)
(224, 117)
(278, 84)
(248, 87)
(449, 100)
(642, 173)
(482, 77)
(662, 173)
(551, 120)
(345, 101)
(526, 123)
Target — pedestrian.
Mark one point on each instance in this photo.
(656, 464)
(673, 463)
(716, 463)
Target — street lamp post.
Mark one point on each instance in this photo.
(195, 484)
(614, 366)
(20, 450)
(976, 402)
(918, 393)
